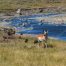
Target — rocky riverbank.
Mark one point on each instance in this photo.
(30, 11)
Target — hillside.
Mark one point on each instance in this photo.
(14, 4)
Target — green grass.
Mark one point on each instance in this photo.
(18, 53)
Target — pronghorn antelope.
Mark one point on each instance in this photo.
(42, 37)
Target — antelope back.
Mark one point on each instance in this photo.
(41, 37)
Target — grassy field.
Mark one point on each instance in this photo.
(14, 4)
(18, 53)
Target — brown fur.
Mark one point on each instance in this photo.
(40, 39)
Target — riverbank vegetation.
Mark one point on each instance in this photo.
(11, 5)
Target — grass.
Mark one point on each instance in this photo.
(18, 53)
(5, 5)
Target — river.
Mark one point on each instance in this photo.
(35, 24)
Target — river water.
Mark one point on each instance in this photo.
(33, 24)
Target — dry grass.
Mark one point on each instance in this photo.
(14, 4)
(18, 53)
